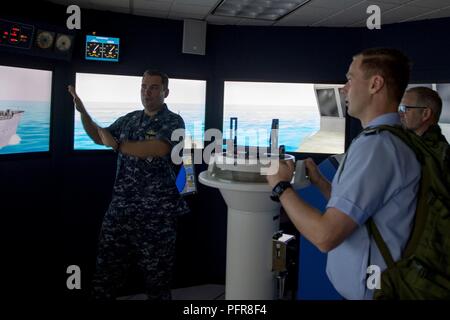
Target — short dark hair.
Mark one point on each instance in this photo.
(389, 63)
(164, 77)
(427, 97)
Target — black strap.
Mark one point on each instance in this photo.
(373, 231)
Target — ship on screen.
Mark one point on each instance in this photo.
(9, 121)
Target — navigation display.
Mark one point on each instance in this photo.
(102, 48)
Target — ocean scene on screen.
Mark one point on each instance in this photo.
(25, 96)
(105, 113)
(256, 104)
(108, 97)
(29, 133)
(254, 124)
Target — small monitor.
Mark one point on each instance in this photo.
(102, 48)
(327, 102)
(186, 179)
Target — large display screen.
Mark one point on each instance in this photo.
(107, 97)
(25, 99)
(310, 117)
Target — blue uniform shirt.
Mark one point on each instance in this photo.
(380, 180)
(147, 183)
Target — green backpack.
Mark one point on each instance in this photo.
(423, 271)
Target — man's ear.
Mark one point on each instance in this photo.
(166, 93)
(427, 114)
(376, 83)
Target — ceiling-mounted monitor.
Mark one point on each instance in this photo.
(102, 48)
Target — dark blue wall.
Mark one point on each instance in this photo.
(55, 201)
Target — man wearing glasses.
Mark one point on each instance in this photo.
(420, 110)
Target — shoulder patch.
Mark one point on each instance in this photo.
(370, 131)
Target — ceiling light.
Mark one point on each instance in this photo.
(257, 9)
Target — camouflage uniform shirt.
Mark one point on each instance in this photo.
(147, 183)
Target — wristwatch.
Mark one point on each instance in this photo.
(279, 189)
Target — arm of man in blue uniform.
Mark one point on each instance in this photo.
(316, 177)
(326, 231)
(140, 149)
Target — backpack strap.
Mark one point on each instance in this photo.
(384, 250)
(422, 203)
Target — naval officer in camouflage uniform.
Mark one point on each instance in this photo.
(140, 225)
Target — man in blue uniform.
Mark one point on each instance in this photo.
(378, 178)
(139, 227)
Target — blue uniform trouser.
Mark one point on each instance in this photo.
(141, 237)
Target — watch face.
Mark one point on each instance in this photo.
(281, 187)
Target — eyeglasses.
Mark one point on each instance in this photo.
(403, 108)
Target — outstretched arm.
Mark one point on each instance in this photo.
(89, 125)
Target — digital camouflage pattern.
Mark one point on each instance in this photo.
(145, 181)
(139, 227)
(132, 236)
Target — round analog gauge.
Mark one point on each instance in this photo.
(63, 42)
(110, 51)
(94, 50)
(44, 39)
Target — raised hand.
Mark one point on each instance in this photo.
(76, 100)
(72, 91)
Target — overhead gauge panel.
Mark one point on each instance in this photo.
(16, 34)
(102, 48)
